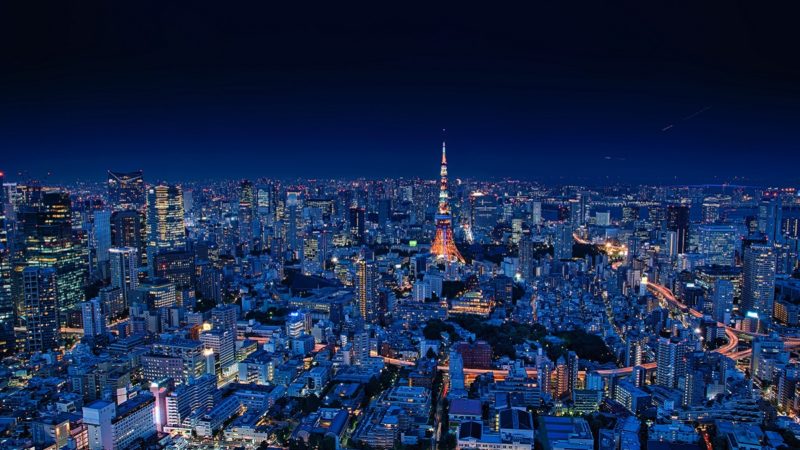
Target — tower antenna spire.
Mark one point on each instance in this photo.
(444, 146)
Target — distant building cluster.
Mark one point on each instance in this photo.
(397, 313)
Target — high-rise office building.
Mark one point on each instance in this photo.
(711, 210)
(113, 302)
(483, 212)
(357, 225)
(293, 215)
(126, 190)
(366, 284)
(111, 426)
(246, 214)
(361, 344)
(718, 244)
(602, 218)
(630, 214)
(223, 344)
(128, 230)
(384, 212)
(179, 359)
(49, 241)
(527, 261)
(678, 222)
(562, 241)
(578, 210)
(200, 394)
(166, 230)
(635, 348)
(155, 293)
(572, 371)
(101, 235)
(722, 304)
(123, 262)
(758, 280)
(94, 319)
(536, 213)
(7, 310)
(177, 267)
(670, 356)
(770, 214)
(574, 213)
(41, 309)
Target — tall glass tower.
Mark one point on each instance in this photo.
(166, 230)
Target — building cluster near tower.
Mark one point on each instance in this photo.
(397, 313)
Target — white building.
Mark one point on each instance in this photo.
(116, 428)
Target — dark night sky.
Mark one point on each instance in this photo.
(557, 91)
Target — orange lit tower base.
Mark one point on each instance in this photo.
(443, 246)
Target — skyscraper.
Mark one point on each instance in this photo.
(126, 190)
(366, 284)
(770, 213)
(711, 206)
(41, 309)
(49, 241)
(128, 230)
(123, 270)
(526, 258)
(536, 213)
(722, 301)
(562, 241)
(166, 230)
(246, 212)
(7, 310)
(671, 364)
(361, 346)
(94, 320)
(177, 267)
(678, 221)
(630, 214)
(155, 293)
(718, 244)
(572, 371)
(101, 233)
(356, 222)
(443, 246)
(758, 280)
(578, 210)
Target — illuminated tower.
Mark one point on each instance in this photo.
(444, 246)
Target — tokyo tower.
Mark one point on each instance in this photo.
(443, 246)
